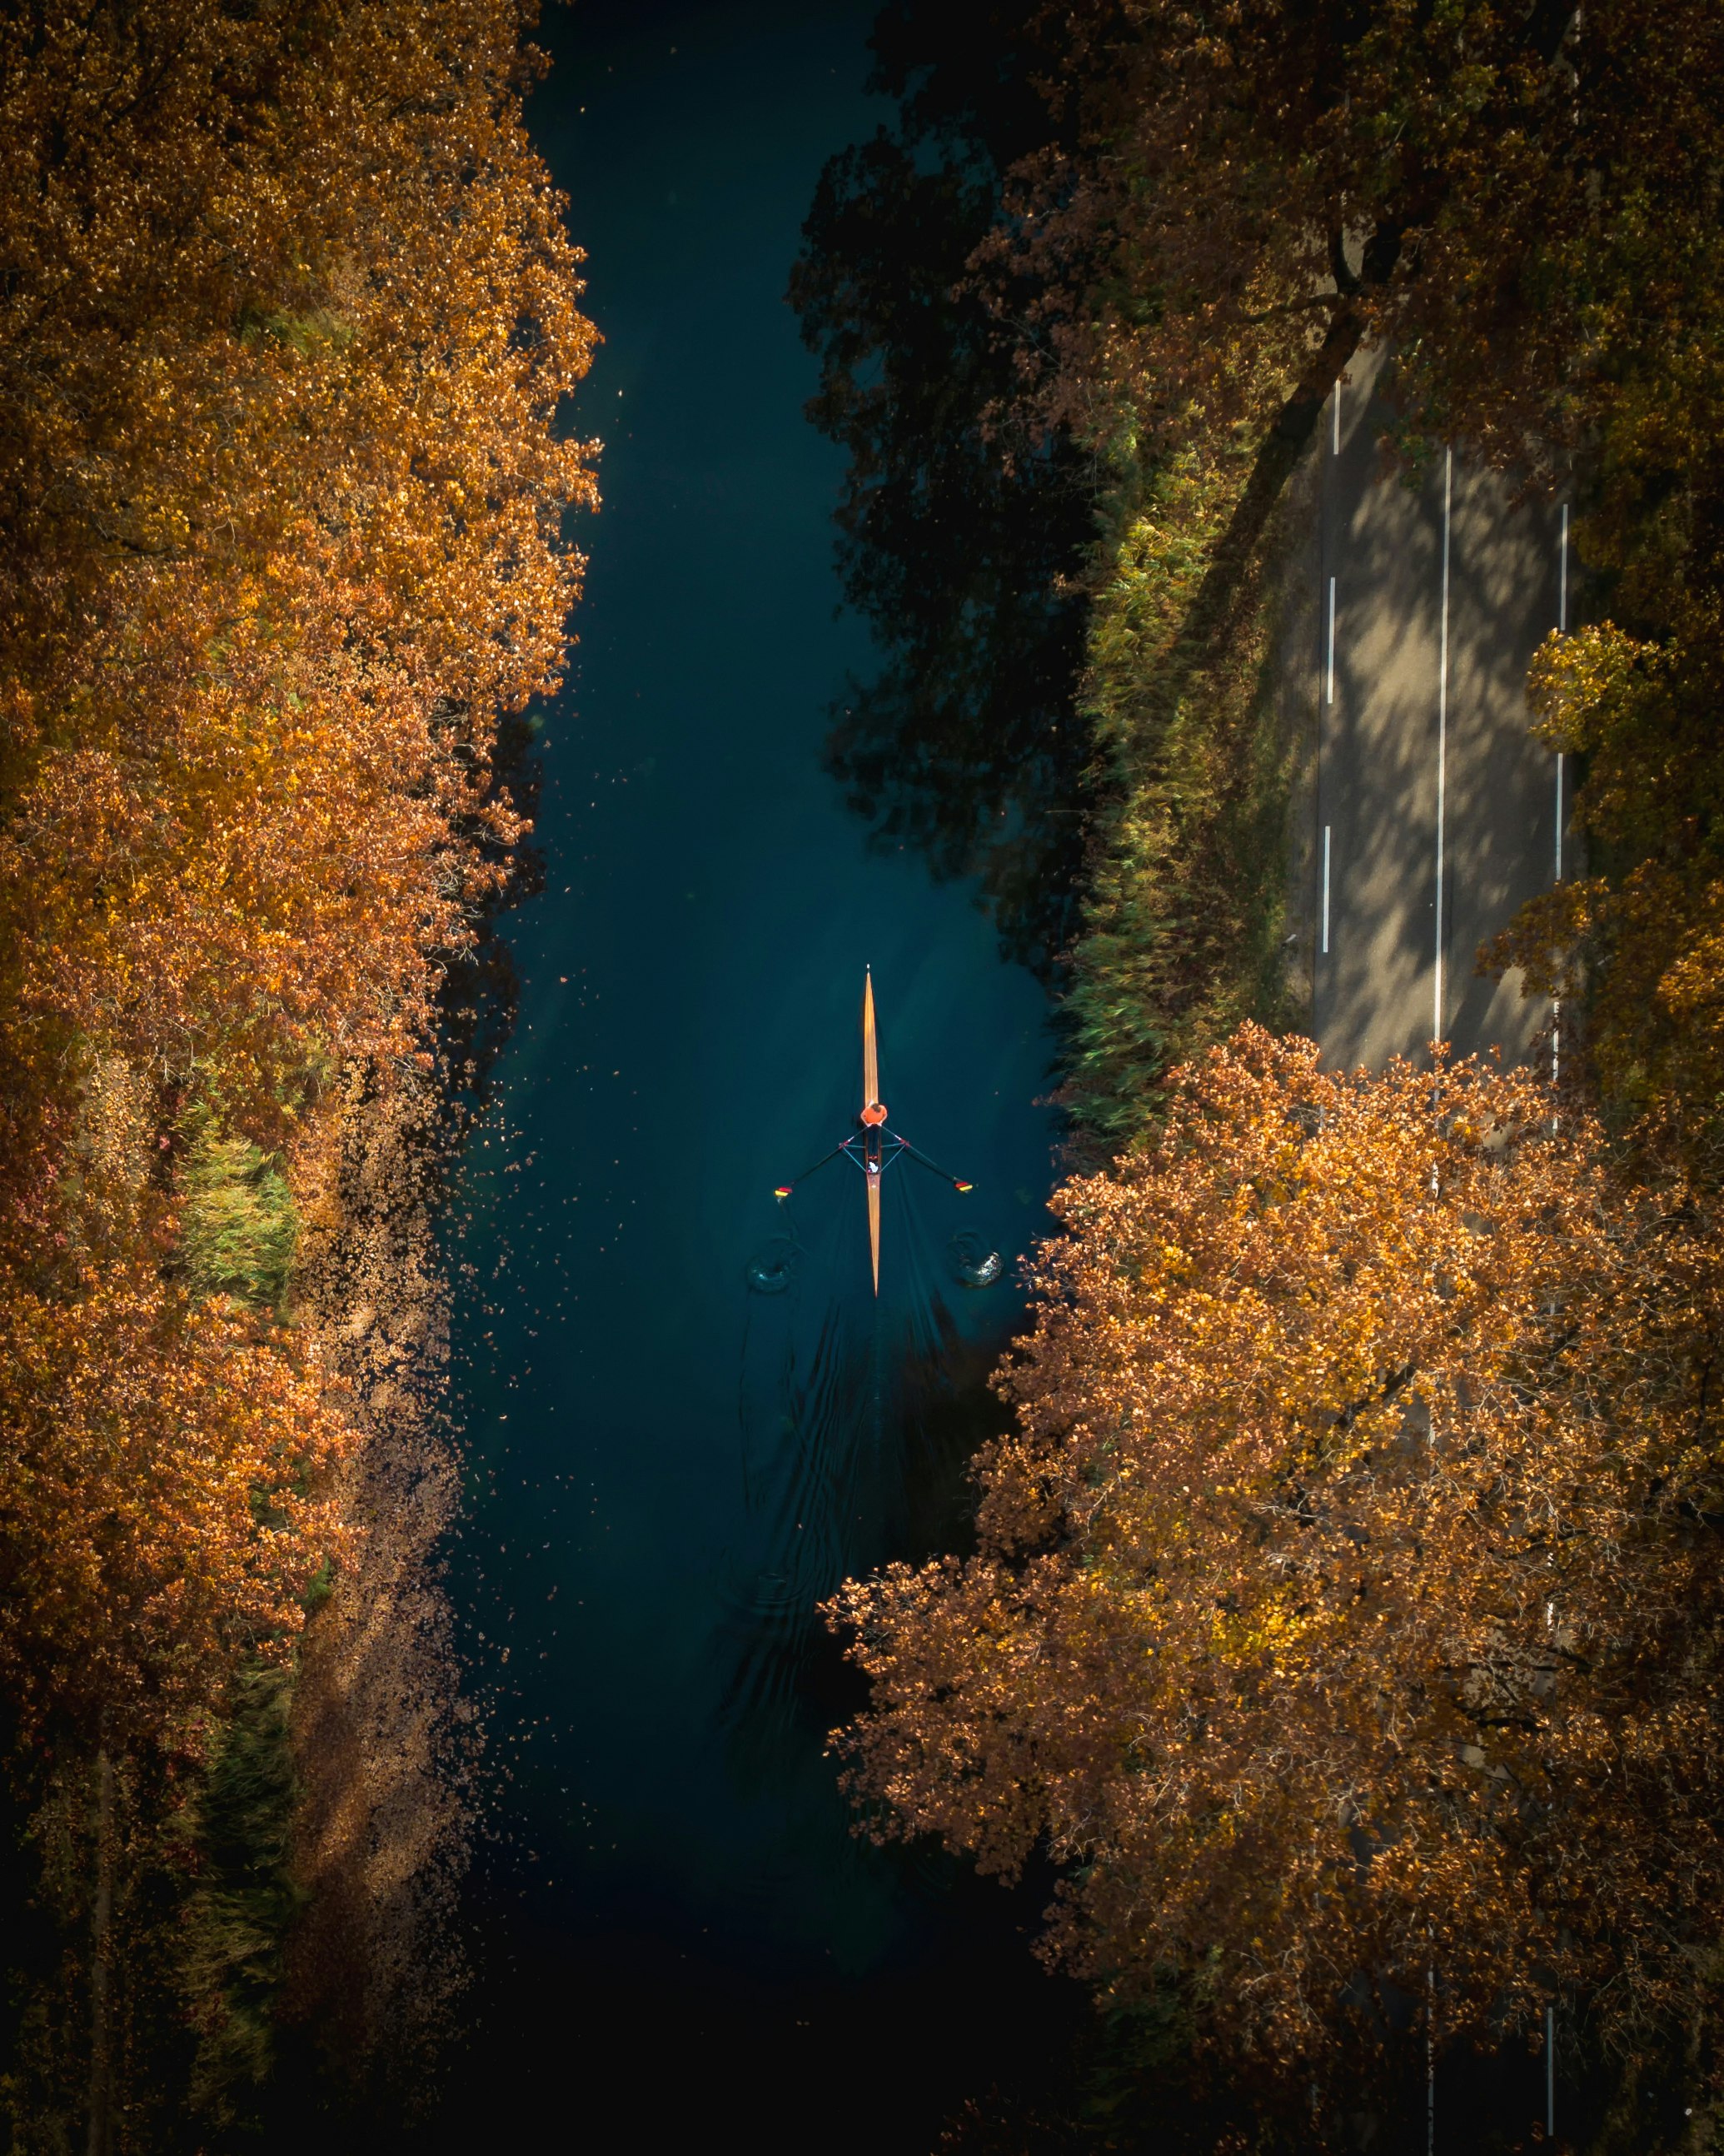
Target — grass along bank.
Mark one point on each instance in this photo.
(1194, 708)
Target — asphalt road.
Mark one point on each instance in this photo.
(1435, 809)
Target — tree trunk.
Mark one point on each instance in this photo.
(1212, 618)
(101, 1967)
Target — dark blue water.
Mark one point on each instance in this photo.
(669, 1469)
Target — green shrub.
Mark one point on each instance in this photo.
(237, 1226)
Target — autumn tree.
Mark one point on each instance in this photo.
(1636, 943)
(288, 314)
(163, 1502)
(1346, 1611)
(283, 502)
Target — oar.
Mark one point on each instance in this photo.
(870, 1097)
(784, 1190)
(945, 1174)
(870, 1054)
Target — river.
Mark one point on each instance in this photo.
(669, 1467)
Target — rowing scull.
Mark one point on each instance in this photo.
(872, 1146)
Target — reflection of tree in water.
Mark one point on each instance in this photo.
(959, 552)
(479, 999)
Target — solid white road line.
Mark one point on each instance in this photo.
(1335, 445)
(1561, 630)
(1562, 577)
(1559, 815)
(1442, 745)
(1326, 889)
(1331, 696)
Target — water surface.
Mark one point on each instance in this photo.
(669, 1469)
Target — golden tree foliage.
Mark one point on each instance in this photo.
(1347, 1604)
(290, 309)
(287, 312)
(155, 1513)
(165, 1478)
(1638, 941)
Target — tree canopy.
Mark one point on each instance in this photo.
(1244, 189)
(1346, 1606)
(288, 319)
(287, 315)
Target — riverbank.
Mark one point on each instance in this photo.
(1198, 702)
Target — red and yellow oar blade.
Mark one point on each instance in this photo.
(870, 1054)
(874, 1226)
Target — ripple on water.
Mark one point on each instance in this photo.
(774, 1266)
(973, 1260)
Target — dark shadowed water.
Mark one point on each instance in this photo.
(673, 1462)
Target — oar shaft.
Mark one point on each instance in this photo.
(945, 1174)
(784, 1190)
